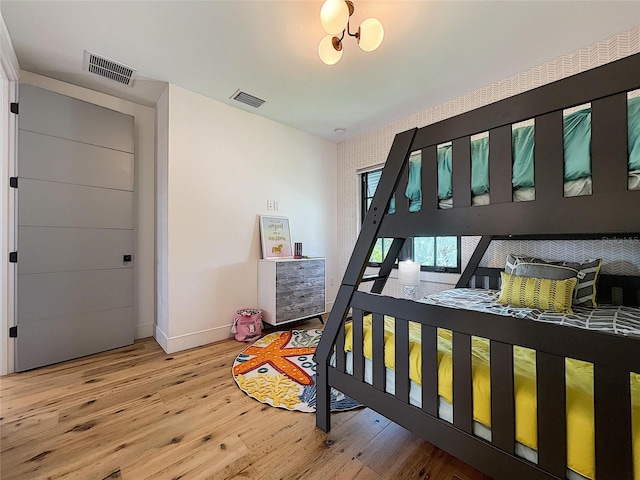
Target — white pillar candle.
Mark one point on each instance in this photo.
(408, 273)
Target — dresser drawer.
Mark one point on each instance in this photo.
(292, 277)
(291, 289)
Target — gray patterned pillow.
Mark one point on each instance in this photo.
(586, 273)
(536, 267)
(584, 293)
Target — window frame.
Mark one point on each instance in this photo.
(364, 208)
(407, 251)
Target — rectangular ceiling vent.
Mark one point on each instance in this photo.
(247, 99)
(104, 67)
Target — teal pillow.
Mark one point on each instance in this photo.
(415, 205)
(414, 190)
(444, 172)
(480, 166)
(577, 145)
(523, 142)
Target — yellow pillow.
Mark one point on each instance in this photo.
(539, 293)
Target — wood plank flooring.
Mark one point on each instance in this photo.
(136, 413)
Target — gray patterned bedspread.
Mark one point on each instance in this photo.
(616, 319)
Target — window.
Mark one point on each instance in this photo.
(380, 250)
(436, 254)
(368, 188)
(439, 254)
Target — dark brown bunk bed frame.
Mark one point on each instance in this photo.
(611, 211)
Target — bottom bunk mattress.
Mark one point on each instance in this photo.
(579, 374)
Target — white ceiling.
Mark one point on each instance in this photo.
(433, 51)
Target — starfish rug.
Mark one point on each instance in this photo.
(278, 369)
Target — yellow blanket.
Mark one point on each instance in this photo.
(579, 380)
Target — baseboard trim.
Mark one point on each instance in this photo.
(195, 339)
(328, 307)
(160, 337)
(191, 340)
(143, 331)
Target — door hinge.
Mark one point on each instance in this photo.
(13, 257)
(13, 182)
(15, 107)
(13, 332)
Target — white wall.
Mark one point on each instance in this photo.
(144, 125)
(223, 165)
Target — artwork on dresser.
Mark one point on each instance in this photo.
(275, 237)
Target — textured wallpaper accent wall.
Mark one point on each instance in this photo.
(620, 256)
(371, 149)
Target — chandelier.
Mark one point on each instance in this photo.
(334, 17)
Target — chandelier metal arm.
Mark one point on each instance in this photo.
(351, 10)
(356, 34)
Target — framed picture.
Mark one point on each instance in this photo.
(275, 237)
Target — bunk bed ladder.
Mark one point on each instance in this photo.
(389, 261)
(397, 161)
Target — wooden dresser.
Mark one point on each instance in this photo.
(291, 289)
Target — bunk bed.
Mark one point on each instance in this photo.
(382, 326)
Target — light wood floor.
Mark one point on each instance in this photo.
(137, 413)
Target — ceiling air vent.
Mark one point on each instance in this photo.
(247, 99)
(104, 67)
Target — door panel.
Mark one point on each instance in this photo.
(75, 223)
(43, 157)
(43, 340)
(51, 249)
(55, 204)
(65, 117)
(72, 293)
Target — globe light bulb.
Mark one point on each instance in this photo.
(334, 16)
(327, 52)
(370, 34)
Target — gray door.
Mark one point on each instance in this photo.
(75, 226)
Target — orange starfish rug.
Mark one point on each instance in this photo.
(279, 370)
